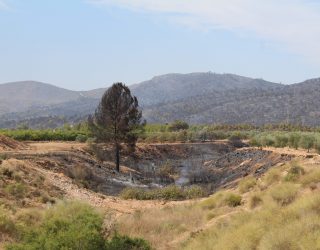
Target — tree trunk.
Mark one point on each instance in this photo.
(117, 157)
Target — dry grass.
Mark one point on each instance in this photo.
(272, 176)
(247, 184)
(286, 215)
(162, 226)
(255, 200)
(22, 186)
(284, 193)
(313, 177)
(295, 226)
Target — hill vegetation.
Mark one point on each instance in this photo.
(197, 98)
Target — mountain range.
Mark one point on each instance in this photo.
(195, 98)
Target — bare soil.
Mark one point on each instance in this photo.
(55, 161)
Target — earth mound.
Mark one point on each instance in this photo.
(7, 143)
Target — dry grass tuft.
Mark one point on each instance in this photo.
(284, 193)
(247, 184)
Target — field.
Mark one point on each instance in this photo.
(260, 194)
(282, 135)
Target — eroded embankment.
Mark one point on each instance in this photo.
(212, 165)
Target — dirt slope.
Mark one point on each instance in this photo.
(7, 143)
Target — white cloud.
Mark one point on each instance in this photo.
(292, 23)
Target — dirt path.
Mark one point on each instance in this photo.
(292, 151)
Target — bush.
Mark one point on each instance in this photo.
(312, 177)
(66, 226)
(255, 200)
(284, 193)
(294, 173)
(194, 192)
(133, 193)
(7, 226)
(220, 199)
(247, 184)
(281, 141)
(232, 200)
(178, 125)
(272, 176)
(171, 192)
(16, 189)
(307, 142)
(69, 226)
(81, 138)
(126, 243)
(294, 140)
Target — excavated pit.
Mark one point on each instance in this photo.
(211, 165)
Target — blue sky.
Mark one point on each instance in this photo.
(85, 44)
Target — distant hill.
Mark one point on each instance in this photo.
(19, 96)
(195, 98)
(173, 87)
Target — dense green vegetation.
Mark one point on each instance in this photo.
(64, 226)
(282, 135)
(79, 132)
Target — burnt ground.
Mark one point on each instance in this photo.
(212, 165)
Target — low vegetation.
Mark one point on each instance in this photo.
(247, 184)
(64, 226)
(282, 135)
(20, 186)
(273, 212)
(167, 193)
(220, 199)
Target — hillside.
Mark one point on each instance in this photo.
(195, 98)
(19, 96)
(172, 87)
(264, 198)
(297, 103)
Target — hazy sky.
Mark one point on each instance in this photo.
(85, 44)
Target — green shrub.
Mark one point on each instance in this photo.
(294, 173)
(7, 225)
(126, 243)
(81, 138)
(220, 199)
(294, 140)
(307, 141)
(29, 217)
(178, 125)
(247, 184)
(66, 226)
(281, 141)
(194, 192)
(16, 189)
(133, 193)
(171, 192)
(232, 200)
